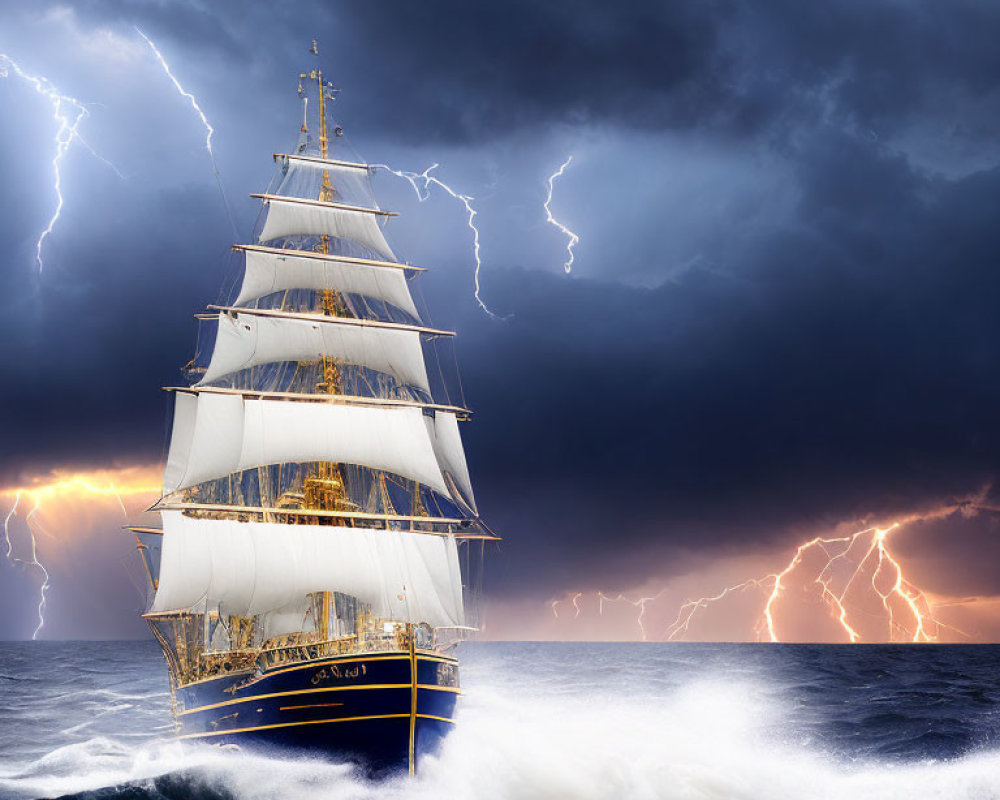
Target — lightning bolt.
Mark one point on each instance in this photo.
(68, 113)
(6, 524)
(466, 200)
(847, 568)
(574, 600)
(60, 487)
(689, 608)
(876, 560)
(209, 130)
(573, 238)
(33, 561)
(640, 604)
(878, 550)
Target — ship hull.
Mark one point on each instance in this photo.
(382, 711)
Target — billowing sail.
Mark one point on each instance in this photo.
(215, 435)
(247, 340)
(302, 176)
(268, 271)
(443, 428)
(331, 165)
(288, 216)
(251, 568)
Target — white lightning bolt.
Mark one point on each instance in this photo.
(45, 574)
(640, 604)
(68, 113)
(6, 524)
(29, 562)
(184, 93)
(691, 607)
(573, 238)
(575, 600)
(209, 130)
(464, 199)
(602, 598)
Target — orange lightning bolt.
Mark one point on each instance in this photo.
(844, 569)
(877, 561)
(77, 489)
(574, 600)
(640, 604)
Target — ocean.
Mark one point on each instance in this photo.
(548, 720)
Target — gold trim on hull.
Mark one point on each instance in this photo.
(310, 722)
(453, 689)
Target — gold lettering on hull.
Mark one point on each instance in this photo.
(337, 672)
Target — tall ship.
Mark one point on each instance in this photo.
(319, 550)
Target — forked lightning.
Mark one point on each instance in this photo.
(55, 489)
(573, 238)
(68, 113)
(848, 567)
(466, 200)
(209, 130)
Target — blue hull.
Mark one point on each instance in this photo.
(382, 710)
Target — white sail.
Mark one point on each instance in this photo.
(291, 618)
(250, 568)
(181, 436)
(249, 340)
(273, 272)
(331, 165)
(232, 433)
(296, 217)
(451, 456)
(207, 434)
(302, 176)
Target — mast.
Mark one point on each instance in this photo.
(326, 491)
(312, 437)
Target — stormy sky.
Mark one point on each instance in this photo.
(783, 313)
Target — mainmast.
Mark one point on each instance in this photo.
(326, 490)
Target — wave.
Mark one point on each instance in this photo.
(711, 738)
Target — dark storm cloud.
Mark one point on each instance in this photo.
(833, 360)
(474, 70)
(850, 370)
(95, 345)
(454, 70)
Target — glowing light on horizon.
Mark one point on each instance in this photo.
(465, 200)
(77, 487)
(908, 612)
(900, 589)
(573, 238)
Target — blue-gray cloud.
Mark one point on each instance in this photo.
(784, 304)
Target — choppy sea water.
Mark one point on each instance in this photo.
(545, 720)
